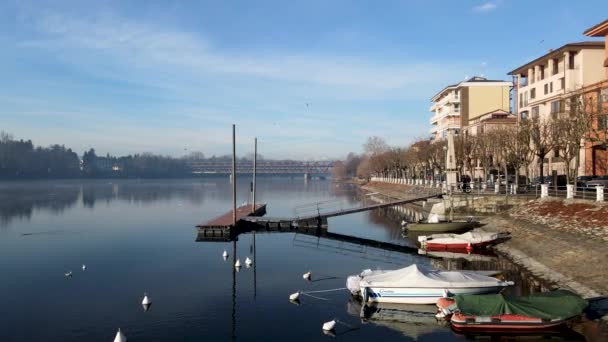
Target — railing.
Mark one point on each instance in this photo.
(598, 194)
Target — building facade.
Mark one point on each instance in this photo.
(543, 85)
(595, 157)
(455, 105)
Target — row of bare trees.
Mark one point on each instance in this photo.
(505, 148)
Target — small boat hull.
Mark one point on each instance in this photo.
(420, 295)
(503, 324)
(441, 226)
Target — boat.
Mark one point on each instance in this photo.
(433, 224)
(416, 284)
(413, 321)
(477, 255)
(496, 313)
(466, 241)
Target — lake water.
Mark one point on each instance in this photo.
(138, 236)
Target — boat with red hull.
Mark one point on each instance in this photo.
(540, 312)
(460, 242)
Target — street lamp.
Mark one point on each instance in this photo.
(445, 169)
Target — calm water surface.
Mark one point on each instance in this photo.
(138, 236)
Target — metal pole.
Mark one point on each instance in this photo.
(234, 175)
(255, 157)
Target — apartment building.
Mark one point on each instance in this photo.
(594, 160)
(492, 120)
(455, 105)
(543, 85)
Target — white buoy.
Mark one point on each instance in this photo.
(225, 255)
(446, 293)
(307, 275)
(329, 326)
(294, 296)
(120, 337)
(403, 223)
(248, 262)
(237, 264)
(84, 267)
(146, 300)
(69, 274)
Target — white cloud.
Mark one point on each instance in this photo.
(487, 6)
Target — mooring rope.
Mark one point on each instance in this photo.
(315, 297)
(321, 291)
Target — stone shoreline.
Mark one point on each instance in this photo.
(563, 242)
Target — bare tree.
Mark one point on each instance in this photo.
(375, 145)
(543, 140)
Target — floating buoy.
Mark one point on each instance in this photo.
(225, 255)
(403, 223)
(440, 315)
(329, 326)
(146, 300)
(294, 296)
(120, 337)
(84, 267)
(69, 274)
(307, 275)
(248, 262)
(237, 264)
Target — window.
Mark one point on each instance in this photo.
(555, 66)
(456, 107)
(521, 99)
(542, 72)
(602, 122)
(456, 94)
(562, 83)
(523, 115)
(602, 98)
(532, 93)
(525, 98)
(571, 60)
(535, 112)
(556, 107)
(550, 87)
(546, 88)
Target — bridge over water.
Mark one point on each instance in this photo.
(263, 166)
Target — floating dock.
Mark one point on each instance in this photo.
(221, 226)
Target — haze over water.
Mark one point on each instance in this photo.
(138, 236)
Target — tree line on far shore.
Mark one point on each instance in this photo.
(505, 149)
(20, 159)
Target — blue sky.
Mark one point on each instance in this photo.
(171, 77)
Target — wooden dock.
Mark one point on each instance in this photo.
(221, 226)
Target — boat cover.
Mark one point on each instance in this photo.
(559, 304)
(473, 237)
(416, 276)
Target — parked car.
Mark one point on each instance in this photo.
(541, 180)
(581, 181)
(601, 180)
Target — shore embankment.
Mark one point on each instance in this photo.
(564, 242)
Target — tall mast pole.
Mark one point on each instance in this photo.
(255, 158)
(234, 175)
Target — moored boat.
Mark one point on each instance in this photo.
(441, 226)
(470, 240)
(420, 285)
(498, 313)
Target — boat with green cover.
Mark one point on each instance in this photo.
(500, 313)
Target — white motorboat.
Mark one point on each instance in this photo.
(420, 285)
(467, 241)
